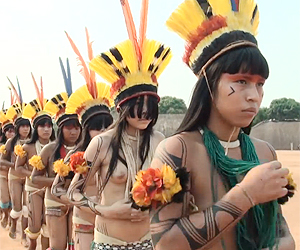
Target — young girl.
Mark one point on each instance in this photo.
(16, 184)
(92, 103)
(58, 215)
(119, 153)
(230, 200)
(8, 131)
(43, 133)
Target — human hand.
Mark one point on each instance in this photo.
(123, 210)
(266, 182)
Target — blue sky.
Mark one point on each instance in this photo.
(32, 38)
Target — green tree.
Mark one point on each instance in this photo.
(284, 108)
(262, 115)
(171, 105)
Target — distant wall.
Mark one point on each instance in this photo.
(279, 134)
(168, 124)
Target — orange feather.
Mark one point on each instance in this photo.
(130, 27)
(37, 89)
(143, 22)
(84, 70)
(15, 92)
(92, 83)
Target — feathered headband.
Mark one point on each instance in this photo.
(225, 24)
(92, 98)
(56, 106)
(133, 66)
(34, 110)
(14, 113)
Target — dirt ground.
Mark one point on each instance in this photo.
(291, 210)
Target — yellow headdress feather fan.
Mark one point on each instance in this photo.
(233, 22)
(4, 120)
(90, 99)
(132, 67)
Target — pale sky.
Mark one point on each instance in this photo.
(32, 39)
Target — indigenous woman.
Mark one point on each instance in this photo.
(58, 215)
(16, 184)
(43, 133)
(230, 201)
(120, 152)
(8, 131)
(92, 104)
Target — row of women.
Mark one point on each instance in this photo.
(37, 177)
(78, 190)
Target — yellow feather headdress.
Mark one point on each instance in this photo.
(233, 22)
(92, 98)
(34, 110)
(4, 120)
(133, 66)
(56, 106)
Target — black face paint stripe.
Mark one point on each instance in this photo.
(233, 91)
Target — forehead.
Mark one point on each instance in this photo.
(243, 76)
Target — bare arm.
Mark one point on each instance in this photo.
(5, 162)
(20, 165)
(172, 229)
(39, 176)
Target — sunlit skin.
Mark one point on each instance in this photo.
(24, 131)
(71, 134)
(235, 103)
(44, 133)
(10, 133)
(94, 132)
(137, 123)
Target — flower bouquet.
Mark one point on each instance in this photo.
(78, 163)
(291, 187)
(36, 162)
(158, 186)
(61, 168)
(19, 151)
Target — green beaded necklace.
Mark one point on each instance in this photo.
(263, 216)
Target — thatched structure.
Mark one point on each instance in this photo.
(282, 135)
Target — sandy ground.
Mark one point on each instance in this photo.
(291, 210)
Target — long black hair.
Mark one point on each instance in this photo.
(23, 122)
(127, 109)
(35, 135)
(60, 138)
(243, 60)
(3, 136)
(96, 122)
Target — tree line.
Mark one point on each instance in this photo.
(280, 109)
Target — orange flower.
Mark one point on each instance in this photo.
(36, 162)
(2, 149)
(61, 168)
(155, 185)
(78, 163)
(19, 151)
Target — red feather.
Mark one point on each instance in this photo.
(130, 27)
(37, 89)
(42, 94)
(14, 92)
(143, 23)
(84, 70)
(92, 83)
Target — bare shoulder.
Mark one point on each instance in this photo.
(48, 150)
(157, 137)
(8, 143)
(28, 147)
(265, 150)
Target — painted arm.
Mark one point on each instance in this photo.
(122, 209)
(173, 229)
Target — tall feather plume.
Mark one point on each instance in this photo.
(12, 97)
(42, 94)
(84, 70)
(67, 78)
(38, 93)
(91, 84)
(3, 105)
(143, 23)
(14, 91)
(131, 27)
(20, 93)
